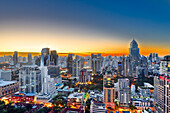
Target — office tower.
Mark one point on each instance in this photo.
(48, 90)
(76, 68)
(48, 84)
(54, 72)
(62, 62)
(133, 89)
(30, 79)
(150, 57)
(69, 63)
(134, 53)
(119, 70)
(162, 87)
(123, 65)
(15, 57)
(53, 57)
(134, 50)
(141, 72)
(82, 60)
(128, 66)
(29, 58)
(108, 90)
(45, 57)
(124, 92)
(84, 76)
(96, 61)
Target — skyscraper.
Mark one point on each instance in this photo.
(29, 79)
(108, 90)
(45, 57)
(124, 92)
(162, 87)
(53, 57)
(134, 54)
(29, 58)
(96, 61)
(134, 50)
(75, 68)
(69, 63)
(15, 57)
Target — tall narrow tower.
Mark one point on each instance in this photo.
(134, 55)
(134, 50)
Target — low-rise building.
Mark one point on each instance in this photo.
(8, 87)
(97, 107)
(23, 97)
(73, 110)
(65, 90)
(6, 74)
(76, 99)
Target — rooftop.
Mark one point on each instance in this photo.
(4, 83)
(76, 95)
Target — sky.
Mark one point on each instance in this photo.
(104, 26)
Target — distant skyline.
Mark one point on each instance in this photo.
(85, 26)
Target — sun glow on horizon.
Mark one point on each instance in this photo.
(65, 39)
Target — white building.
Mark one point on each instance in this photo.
(6, 74)
(29, 79)
(124, 94)
(133, 89)
(48, 86)
(97, 107)
(75, 68)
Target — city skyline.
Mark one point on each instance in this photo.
(85, 26)
(84, 56)
(24, 54)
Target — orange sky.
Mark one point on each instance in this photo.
(28, 38)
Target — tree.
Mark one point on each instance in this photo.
(28, 107)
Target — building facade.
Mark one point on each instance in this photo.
(162, 87)
(124, 94)
(30, 79)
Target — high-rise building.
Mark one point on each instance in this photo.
(134, 54)
(45, 57)
(162, 87)
(53, 57)
(96, 61)
(124, 94)
(48, 90)
(54, 72)
(108, 91)
(69, 63)
(134, 50)
(128, 66)
(133, 89)
(76, 68)
(29, 58)
(15, 57)
(84, 76)
(141, 72)
(29, 79)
